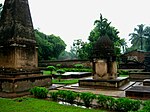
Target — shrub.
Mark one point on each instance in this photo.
(62, 94)
(60, 71)
(146, 106)
(71, 96)
(54, 96)
(51, 68)
(125, 105)
(39, 92)
(78, 66)
(68, 96)
(58, 65)
(106, 102)
(87, 98)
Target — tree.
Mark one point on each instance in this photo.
(147, 34)
(138, 37)
(65, 55)
(123, 45)
(102, 27)
(76, 48)
(49, 46)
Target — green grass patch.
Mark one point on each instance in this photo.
(62, 81)
(123, 75)
(49, 72)
(37, 105)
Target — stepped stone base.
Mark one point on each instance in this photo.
(142, 92)
(146, 82)
(19, 86)
(104, 83)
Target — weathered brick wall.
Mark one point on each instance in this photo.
(65, 63)
(23, 84)
(139, 55)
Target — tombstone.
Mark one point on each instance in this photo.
(104, 66)
(19, 70)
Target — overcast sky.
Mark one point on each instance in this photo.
(74, 19)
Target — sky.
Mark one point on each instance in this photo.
(74, 19)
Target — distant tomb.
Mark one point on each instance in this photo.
(18, 51)
(104, 66)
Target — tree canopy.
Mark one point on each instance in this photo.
(102, 27)
(140, 38)
(49, 46)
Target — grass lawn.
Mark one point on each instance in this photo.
(123, 75)
(63, 81)
(37, 105)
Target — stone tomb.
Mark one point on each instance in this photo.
(139, 91)
(18, 51)
(142, 92)
(104, 67)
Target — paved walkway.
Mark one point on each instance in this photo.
(114, 93)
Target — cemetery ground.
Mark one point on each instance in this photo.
(31, 103)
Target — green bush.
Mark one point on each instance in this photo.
(125, 105)
(39, 92)
(54, 96)
(87, 98)
(71, 96)
(106, 102)
(62, 94)
(146, 106)
(68, 96)
(78, 66)
(51, 68)
(58, 65)
(60, 71)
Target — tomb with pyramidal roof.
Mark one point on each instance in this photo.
(18, 51)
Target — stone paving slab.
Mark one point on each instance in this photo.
(114, 93)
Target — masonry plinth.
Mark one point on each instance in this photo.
(19, 70)
(104, 83)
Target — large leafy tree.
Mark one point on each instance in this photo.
(123, 45)
(138, 37)
(49, 46)
(147, 34)
(78, 49)
(102, 27)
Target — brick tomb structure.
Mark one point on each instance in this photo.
(104, 67)
(18, 51)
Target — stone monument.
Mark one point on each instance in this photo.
(104, 59)
(18, 51)
(104, 66)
